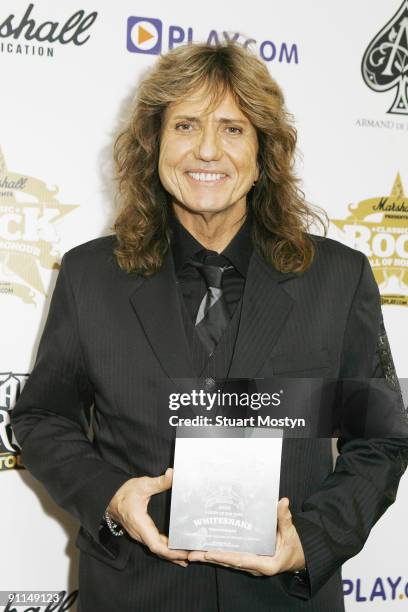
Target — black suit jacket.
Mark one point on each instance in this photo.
(117, 341)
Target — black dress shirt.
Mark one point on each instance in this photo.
(193, 288)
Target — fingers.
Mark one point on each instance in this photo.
(197, 555)
(201, 555)
(261, 565)
(136, 520)
(258, 565)
(253, 564)
(181, 562)
(156, 542)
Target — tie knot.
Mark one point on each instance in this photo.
(213, 269)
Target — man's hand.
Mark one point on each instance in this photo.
(288, 556)
(129, 508)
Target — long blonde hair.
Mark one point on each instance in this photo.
(281, 216)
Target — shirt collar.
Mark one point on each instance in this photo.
(238, 251)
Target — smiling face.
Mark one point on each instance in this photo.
(208, 159)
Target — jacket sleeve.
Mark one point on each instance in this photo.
(336, 520)
(49, 418)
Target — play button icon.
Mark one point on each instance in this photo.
(144, 35)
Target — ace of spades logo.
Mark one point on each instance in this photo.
(385, 61)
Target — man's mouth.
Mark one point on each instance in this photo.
(207, 176)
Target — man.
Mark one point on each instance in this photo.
(210, 274)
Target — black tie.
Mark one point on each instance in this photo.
(212, 316)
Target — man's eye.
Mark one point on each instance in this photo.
(183, 127)
(234, 130)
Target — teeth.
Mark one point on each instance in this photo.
(206, 176)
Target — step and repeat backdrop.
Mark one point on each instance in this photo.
(68, 73)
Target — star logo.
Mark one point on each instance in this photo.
(29, 214)
(377, 227)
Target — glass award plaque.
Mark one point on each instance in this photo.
(226, 489)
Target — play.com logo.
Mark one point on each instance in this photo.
(379, 588)
(145, 35)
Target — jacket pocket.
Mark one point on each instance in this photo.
(115, 553)
(313, 361)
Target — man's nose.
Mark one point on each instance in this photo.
(209, 146)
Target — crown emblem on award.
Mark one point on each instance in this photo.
(224, 495)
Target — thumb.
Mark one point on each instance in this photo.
(284, 514)
(163, 482)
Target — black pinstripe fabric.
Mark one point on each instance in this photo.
(119, 342)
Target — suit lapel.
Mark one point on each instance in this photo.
(157, 306)
(265, 310)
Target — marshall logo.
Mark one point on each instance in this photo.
(74, 30)
(29, 212)
(377, 227)
(385, 62)
(11, 386)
